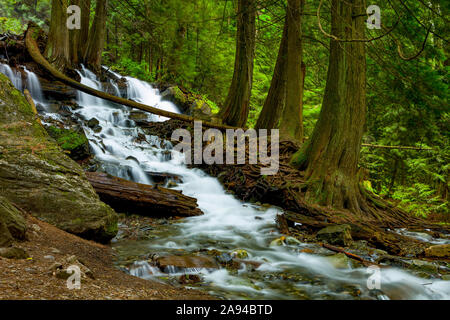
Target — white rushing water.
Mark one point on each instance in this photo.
(13, 75)
(228, 223)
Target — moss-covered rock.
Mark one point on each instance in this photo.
(72, 141)
(36, 175)
(176, 96)
(12, 218)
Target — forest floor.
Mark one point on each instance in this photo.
(46, 245)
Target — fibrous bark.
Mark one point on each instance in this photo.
(57, 48)
(274, 103)
(330, 157)
(237, 103)
(97, 34)
(291, 125)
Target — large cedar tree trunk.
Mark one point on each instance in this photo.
(97, 34)
(236, 108)
(291, 125)
(57, 48)
(330, 158)
(274, 104)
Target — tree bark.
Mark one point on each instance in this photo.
(57, 48)
(78, 37)
(127, 196)
(96, 41)
(237, 104)
(331, 156)
(291, 125)
(275, 100)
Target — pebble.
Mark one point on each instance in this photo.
(49, 257)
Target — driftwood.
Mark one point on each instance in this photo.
(132, 197)
(366, 263)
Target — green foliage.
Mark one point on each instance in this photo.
(420, 199)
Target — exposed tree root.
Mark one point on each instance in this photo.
(288, 188)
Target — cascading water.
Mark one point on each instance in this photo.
(34, 86)
(32, 82)
(14, 76)
(227, 224)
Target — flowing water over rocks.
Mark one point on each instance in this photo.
(230, 250)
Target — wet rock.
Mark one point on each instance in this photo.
(13, 253)
(438, 251)
(93, 122)
(224, 258)
(339, 261)
(277, 242)
(424, 266)
(46, 181)
(189, 279)
(176, 96)
(337, 234)
(239, 253)
(187, 262)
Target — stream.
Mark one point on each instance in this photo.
(291, 271)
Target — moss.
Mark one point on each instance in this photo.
(67, 139)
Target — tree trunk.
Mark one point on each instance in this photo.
(94, 49)
(291, 125)
(274, 104)
(84, 31)
(57, 48)
(78, 37)
(331, 156)
(237, 103)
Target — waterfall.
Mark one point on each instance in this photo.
(14, 76)
(125, 150)
(34, 86)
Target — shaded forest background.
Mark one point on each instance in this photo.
(192, 43)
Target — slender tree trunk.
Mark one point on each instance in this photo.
(173, 63)
(57, 48)
(330, 158)
(291, 125)
(274, 104)
(74, 40)
(237, 103)
(94, 49)
(85, 6)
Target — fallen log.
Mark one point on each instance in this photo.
(33, 50)
(131, 197)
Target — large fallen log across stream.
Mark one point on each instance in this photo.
(131, 197)
(33, 49)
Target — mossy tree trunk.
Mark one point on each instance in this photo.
(96, 41)
(274, 103)
(237, 104)
(330, 157)
(291, 124)
(57, 48)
